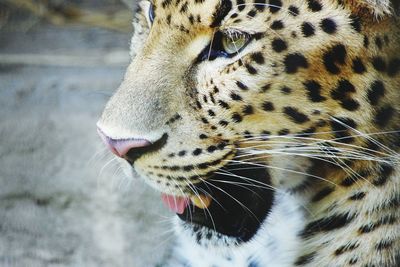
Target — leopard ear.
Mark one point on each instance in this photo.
(379, 8)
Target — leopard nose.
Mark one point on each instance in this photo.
(121, 147)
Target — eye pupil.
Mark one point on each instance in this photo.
(233, 43)
(152, 14)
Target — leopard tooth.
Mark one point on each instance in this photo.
(201, 201)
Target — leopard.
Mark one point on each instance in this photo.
(269, 127)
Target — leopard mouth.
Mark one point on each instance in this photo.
(241, 200)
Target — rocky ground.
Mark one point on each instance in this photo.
(64, 201)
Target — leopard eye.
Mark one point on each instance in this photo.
(225, 44)
(233, 43)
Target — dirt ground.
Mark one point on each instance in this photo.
(64, 201)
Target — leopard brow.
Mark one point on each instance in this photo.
(222, 10)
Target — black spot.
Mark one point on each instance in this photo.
(198, 104)
(236, 97)
(278, 45)
(350, 104)
(329, 223)
(350, 180)
(211, 113)
(203, 136)
(307, 29)
(346, 248)
(166, 3)
(242, 86)
(222, 10)
(384, 174)
(379, 64)
(223, 123)
(294, 11)
(342, 90)
(223, 104)
(258, 36)
(240, 4)
(295, 61)
(341, 128)
(236, 117)
(277, 25)
(188, 168)
(259, 4)
(286, 90)
(358, 66)
(305, 259)
(353, 261)
(191, 19)
(182, 153)
(295, 115)
(314, 91)
(204, 120)
(253, 264)
(342, 93)
(266, 87)
(211, 149)
(250, 69)
(248, 110)
(247, 134)
(283, 132)
(252, 13)
(367, 228)
(384, 115)
(314, 5)
(336, 55)
(394, 67)
(324, 192)
(184, 8)
(275, 5)
(376, 91)
(199, 236)
(258, 57)
(212, 99)
(384, 244)
(357, 196)
(328, 25)
(355, 23)
(197, 151)
(268, 106)
(307, 132)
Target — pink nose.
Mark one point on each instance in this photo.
(120, 147)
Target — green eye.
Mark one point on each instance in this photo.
(233, 43)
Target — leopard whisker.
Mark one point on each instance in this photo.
(283, 169)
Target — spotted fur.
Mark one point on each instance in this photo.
(314, 97)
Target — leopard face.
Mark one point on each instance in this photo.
(217, 91)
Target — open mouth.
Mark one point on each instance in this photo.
(234, 201)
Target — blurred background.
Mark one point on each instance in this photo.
(64, 200)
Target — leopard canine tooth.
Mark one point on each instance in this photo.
(201, 201)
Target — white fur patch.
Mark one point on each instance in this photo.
(274, 245)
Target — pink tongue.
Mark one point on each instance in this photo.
(174, 203)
